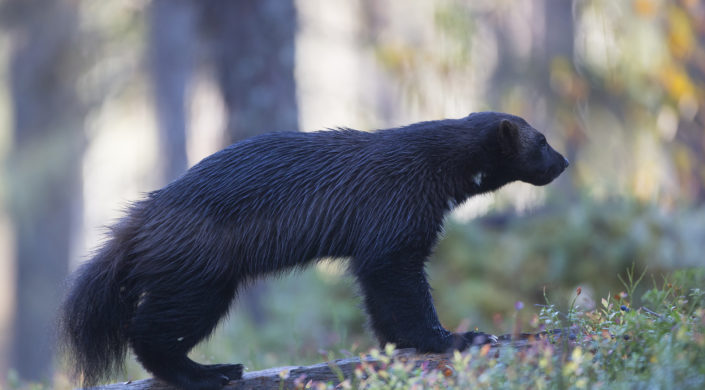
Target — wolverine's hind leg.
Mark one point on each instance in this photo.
(165, 327)
(186, 374)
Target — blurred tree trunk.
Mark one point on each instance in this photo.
(44, 169)
(252, 44)
(561, 110)
(553, 45)
(172, 26)
(254, 51)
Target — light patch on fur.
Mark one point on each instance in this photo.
(142, 298)
(478, 177)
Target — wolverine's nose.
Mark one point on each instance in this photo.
(566, 162)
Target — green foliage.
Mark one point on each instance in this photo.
(14, 382)
(619, 345)
(484, 266)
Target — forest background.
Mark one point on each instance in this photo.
(105, 101)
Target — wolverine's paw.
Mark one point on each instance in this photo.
(480, 338)
(228, 372)
(463, 341)
(206, 378)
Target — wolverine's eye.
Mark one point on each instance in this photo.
(542, 142)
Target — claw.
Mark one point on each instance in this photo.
(479, 338)
(493, 339)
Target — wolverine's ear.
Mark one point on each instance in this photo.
(508, 136)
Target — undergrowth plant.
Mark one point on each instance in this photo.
(657, 342)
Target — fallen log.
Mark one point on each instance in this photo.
(331, 371)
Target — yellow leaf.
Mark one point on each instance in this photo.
(676, 81)
(645, 8)
(484, 350)
(681, 38)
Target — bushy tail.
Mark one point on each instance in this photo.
(94, 315)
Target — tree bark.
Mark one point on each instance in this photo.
(254, 49)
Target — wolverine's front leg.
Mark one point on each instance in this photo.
(398, 301)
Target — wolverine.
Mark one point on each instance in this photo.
(175, 262)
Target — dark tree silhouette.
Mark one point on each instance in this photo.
(44, 167)
(254, 53)
(251, 45)
(172, 27)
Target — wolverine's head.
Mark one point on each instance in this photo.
(526, 152)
